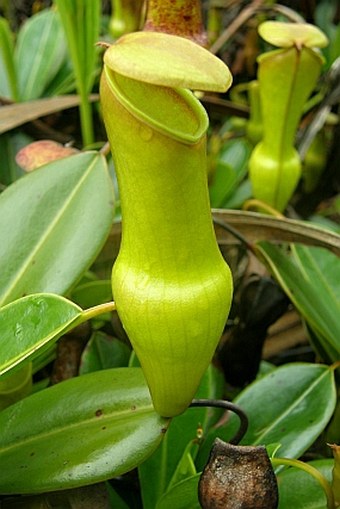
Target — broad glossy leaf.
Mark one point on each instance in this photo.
(30, 324)
(310, 277)
(16, 386)
(53, 222)
(299, 490)
(167, 60)
(78, 432)
(183, 495)
(162, 465)
(92, 293)
(40, 52)
(291, 406)
(103, 352)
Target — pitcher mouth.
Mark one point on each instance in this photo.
(173, 112)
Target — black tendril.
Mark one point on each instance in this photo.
(226, 405)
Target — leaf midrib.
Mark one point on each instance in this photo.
(114, 416)
(313, 264)
(288, 410)
(285, 277)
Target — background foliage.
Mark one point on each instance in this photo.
(75, 409)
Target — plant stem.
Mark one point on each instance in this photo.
(227, 405)
(95, 311)
(313, 472)
(126, 16)
(259, 204)
(182, 18)
(81, 24)
(86, 121)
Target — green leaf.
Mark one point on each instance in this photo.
(322, 347)
(325, 18)
(310, 277)
(186, 466)
(40, 52)
(10, 144)
(91, 293)
(81, 20)
(31, 324)
(53, 222)
(167, 60)
(230, 169)
(116, 502)
(183, 495)
(299, 490)
(8, 83)
(291, 406)
(63, 82)
(162, 465)
(15, 387)
(82, 431)
(103, 352)
(241, 194)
